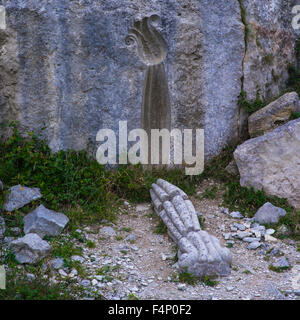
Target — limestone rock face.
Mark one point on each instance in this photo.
(270, 47)
(30, 249)
(199, 252)
(65, 65)
(273, 115)
(45, 222)
(271, 162)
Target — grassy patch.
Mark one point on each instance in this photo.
(279, 269)
(251, 106)
(19, 288)
(91, 244)
(190, 279)
(161, 228)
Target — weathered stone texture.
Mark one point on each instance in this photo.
(65, 65)
(271, 162)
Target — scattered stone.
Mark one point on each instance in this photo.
(249, 239)
(73, 273)
(19, 196)
(30, 276)
(44, 222)
(270, 232)
(281, 262)
(236, 215)
(227, 236)
(225, 210)
(269, 214)
(274, 252)
(243, 234)
(108, 231)
(57, 263)
(278, 111)
(62, 273)
(2, 227)
(94, 282)
(232, 168)
(78, 259)
(30, 249)
(241, 227)
(85, 283)
(131, 237)
(271, 163)
(229, 289)
(269, 238)
(254, 245)
(283, 230)
(181, 286)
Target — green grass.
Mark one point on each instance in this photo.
(91, 244)
(160, 228)
(279, 269)
(191, 279)
(19, 288)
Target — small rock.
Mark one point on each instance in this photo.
(225, 210)
(94, 282)
(254, 245)
(62, 273)
(229, 289)
(8, 239)
(239, 226)
(249, 239)
(30, 276)
(30, 249)
(274, 252)
(236, 215)
(73, 273)
(78, 258)
(45, 222)
(269, 238)
(57, 263)
(227, 236)
(19, 196)
(131, 237)
(108, 231)
(181, 286)
(270, 231)
(232, 168)
(281, 262)
(269, 214)
(283, 230)
(85, 283)
(243, 234)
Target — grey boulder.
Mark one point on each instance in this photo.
(44, 222)
(269, 214)
(271, 162)
(30, 249)
(274, 114)
(19, 196)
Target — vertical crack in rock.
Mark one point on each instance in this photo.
(199, 252)
(152, 50)
(242, 114)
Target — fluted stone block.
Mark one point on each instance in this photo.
(199, 252)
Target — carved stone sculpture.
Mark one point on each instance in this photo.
(199, 252)
(152, 50)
